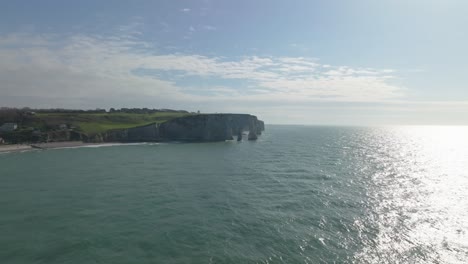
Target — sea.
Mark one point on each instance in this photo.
(299, 194)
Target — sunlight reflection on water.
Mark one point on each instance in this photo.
(419, 196)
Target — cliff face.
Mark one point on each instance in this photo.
(209, 127)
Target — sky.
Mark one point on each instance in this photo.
(333, 62)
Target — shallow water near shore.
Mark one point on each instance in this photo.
(299, 194)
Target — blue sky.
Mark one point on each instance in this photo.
(357, 62)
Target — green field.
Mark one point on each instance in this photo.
(92, 123)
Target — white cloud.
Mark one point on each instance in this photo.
(185, 10)
(92, 66)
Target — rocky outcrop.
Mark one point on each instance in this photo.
(195, 128)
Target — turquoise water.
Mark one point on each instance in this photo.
(297, 195)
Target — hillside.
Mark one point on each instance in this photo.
(57, 126)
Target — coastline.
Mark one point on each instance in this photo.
(50, 145)
(14, 148)
(63, 144)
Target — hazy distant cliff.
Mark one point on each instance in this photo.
(205, 127)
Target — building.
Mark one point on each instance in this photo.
(8, 127)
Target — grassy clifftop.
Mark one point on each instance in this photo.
(85, 122)
(92, 123)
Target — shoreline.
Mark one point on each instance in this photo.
(51, 145)
(14, 148)
(63, 144)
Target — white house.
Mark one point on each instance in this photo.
(8, 127)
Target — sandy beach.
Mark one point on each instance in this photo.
(65, 144)
(14, 148)
(49, 145)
